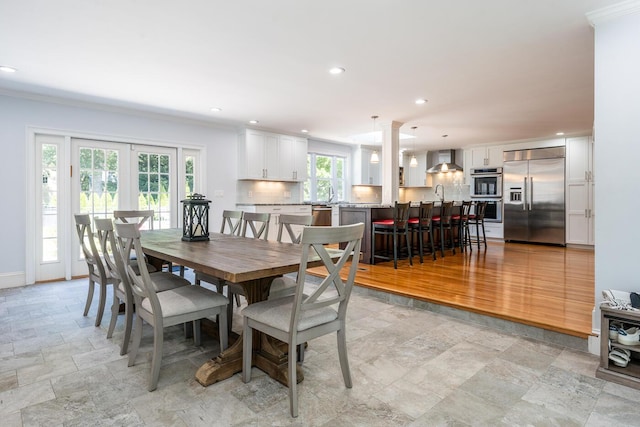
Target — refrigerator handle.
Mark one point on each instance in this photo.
(530, 193)
(524, 201)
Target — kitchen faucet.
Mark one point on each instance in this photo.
(436, 191)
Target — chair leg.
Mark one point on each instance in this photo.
(453, 246)
(197, 335)
(441, 240)
(484, 236)
(247, 356)
(87, 305)
(137, 337)
(115, 308)
(433, 248)
(101, 303)
(421, 243)
(156, 360)
(293, 380)
(342, 355)
(395, 250)
(406, 237)
(128, 322)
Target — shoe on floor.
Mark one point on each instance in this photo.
(629, 336)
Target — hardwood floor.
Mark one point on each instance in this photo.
(544, 286)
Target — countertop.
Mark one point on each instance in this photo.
(272, 204)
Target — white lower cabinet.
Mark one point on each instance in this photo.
(276, 211)
(493, 230)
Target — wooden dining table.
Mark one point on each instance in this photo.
(251, 263)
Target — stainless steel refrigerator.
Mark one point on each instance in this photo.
(533, 192)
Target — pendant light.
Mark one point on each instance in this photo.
(413, 163)
(374, 156)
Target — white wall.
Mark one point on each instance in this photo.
(617, 155)
(17, 114)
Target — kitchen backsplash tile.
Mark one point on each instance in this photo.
(268, 192)
(366, 194)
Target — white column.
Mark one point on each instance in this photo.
(390, 161)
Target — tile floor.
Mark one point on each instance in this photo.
(410, 367)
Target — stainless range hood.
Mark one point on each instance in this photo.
(442, 161)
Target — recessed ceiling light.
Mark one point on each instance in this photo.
(337, 70)
(216, 109)
(7, 69)
(304, 131)
(559, 133)
(421, 101)
(445, 135)
(254, 122)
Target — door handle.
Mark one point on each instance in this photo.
(524, 202)
(530, 193)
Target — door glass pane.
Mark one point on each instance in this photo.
(49, 203)
(154, 184)
(99, 181)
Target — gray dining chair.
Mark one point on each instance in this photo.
(293, 225)
(167, 308)
(313, 311)
(162, 281)
(231, 224)
(284, 285)
(144, 219)
(257, 224)
(98, 273)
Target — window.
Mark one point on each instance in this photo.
(326, 180)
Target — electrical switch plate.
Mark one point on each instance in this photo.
(250, 194)
(287, 194)
(218, 193)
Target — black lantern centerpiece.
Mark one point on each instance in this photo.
(195, 218)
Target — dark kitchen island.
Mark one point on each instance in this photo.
(367, 213)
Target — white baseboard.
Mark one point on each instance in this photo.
(12, 280)
(594, 342)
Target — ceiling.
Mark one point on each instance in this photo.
(492, 70)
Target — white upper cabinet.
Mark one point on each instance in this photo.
(274, 157)
(580, 191)
(481, 157)
(293, 158)
(416, 176)
(485, 156)
(365, 172)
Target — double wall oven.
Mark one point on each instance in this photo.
(486, 185)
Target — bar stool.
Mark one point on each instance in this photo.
(477, 219)
(391, 228)
(423, 224)
(464, 235)
(444, 222)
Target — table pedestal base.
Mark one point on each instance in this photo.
(269, 354)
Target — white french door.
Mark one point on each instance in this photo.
(100, 184)
(155, 176)
(75, 175)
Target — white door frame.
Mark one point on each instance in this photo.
(67, 224)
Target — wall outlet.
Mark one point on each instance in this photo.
(287, 194)
(250, 194)
(218, 193)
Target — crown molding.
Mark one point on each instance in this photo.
(600, 16)
(132, 110)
